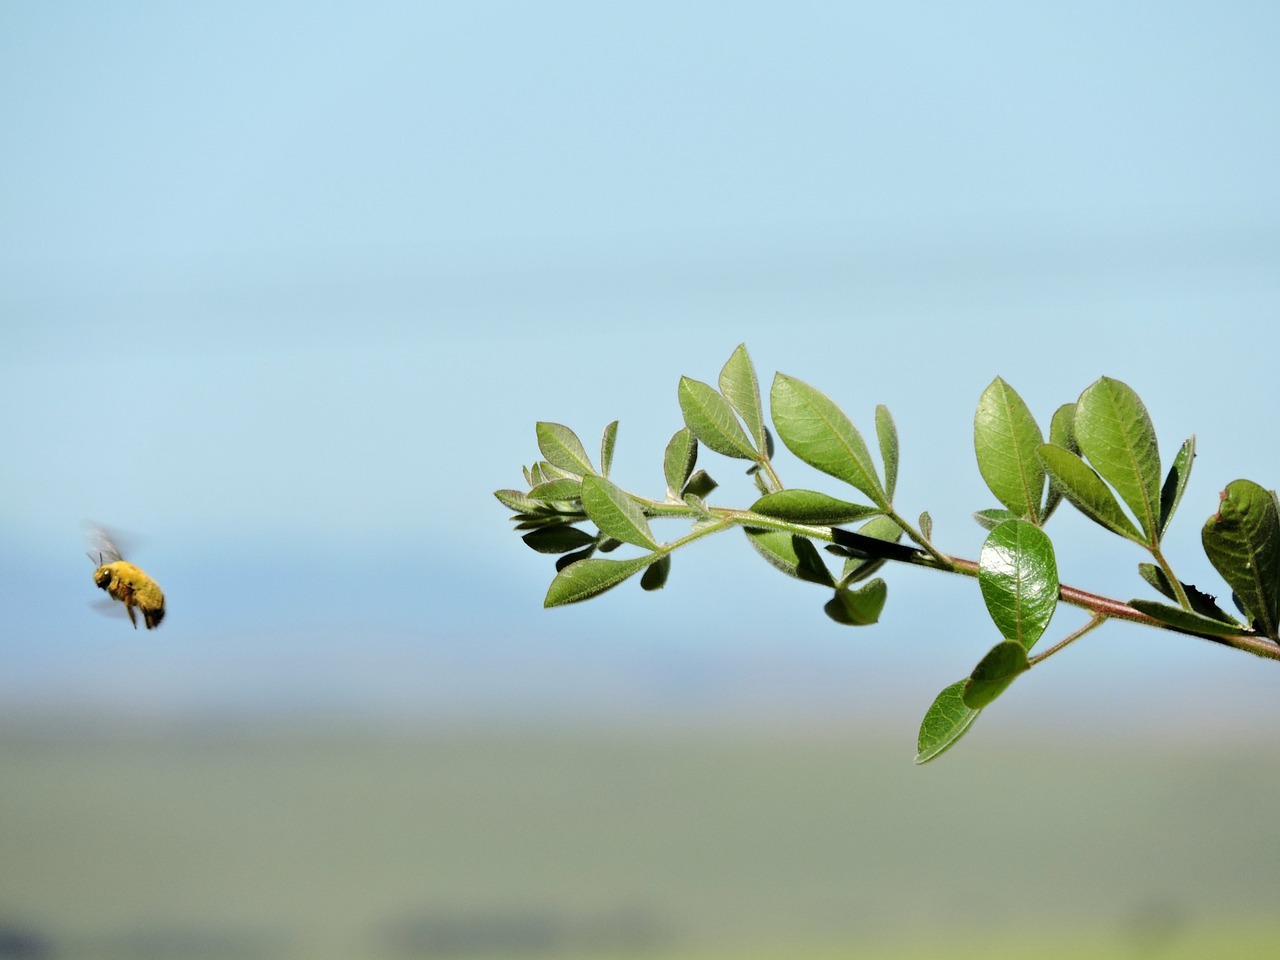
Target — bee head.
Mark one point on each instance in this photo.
(102, 577)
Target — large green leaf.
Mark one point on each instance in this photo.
(711, 419)
(563, 449)
(588, 578)
(678, 460)
(1005, 437)
(859, 607)
(1080, 484)
(1018, 576)
(945, 722)
(818, 432)
(615, 513)
(811, 507)
(994, 672)
(887, 434)
(795, 556)
(1242, 541)
(1176, 482)
(1114, 432)
(740, 387)
(1185, 620)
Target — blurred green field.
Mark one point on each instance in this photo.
(472, 843)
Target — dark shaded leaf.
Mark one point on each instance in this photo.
(860, 607)
(1202, 603)
(1061, 434)
(699, 485)
(655, 577)
(560, 538)
(795, 556)
(994, 672)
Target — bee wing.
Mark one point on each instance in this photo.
(102, 547)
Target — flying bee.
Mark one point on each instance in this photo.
(125, 582)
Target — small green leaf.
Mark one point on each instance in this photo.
(739, 385)
(1062, 433)
(678, 460)
(699, 485)
(1081, 484)
(615, 513)
(926, 525)
(557, 491)
(655, 576)
(793, 555)
(517, 501)
(711, 419)
(990, 519)
(588, 578)
(860, 607)
(1185, 620)
(558, 539)
(1115, 434)
(811, 507)
(1018, 576)
(994, 672)
(1176, 482)
(607, 442)
(818, 432)
(945, 722)
(563, 449)
(1242, 541)
(1006, 437)
(887, 434)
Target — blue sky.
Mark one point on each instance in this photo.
(284, 287)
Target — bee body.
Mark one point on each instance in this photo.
(127, 583)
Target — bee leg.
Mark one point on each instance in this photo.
(129, 609)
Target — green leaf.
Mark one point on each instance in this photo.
(990, 519)
(568, 558)
(1018, 576)
(994, 672)
(607, 442)
(615, 513)
(1115, 434)
(818, 432)
(699, 485)
(945, 722)
(1176, 482)
(1185, 620)
(811, 507)
(887, 434)
(860, 607)
(558, 539)
(793, 555)
(588, 578)
(1081, 484)
(711, 419)
(1006, 437)
(1242, 541)
(563, 449)
(557, 491)
(518, 501)
(655, 576)
(678, 460)
(1062, 433)
(926, 525)
(739, 385)
(1202, 603)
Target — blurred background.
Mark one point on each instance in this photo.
(283, 289)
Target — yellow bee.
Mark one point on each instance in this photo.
(126, 583)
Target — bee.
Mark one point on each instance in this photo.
(125, 582)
